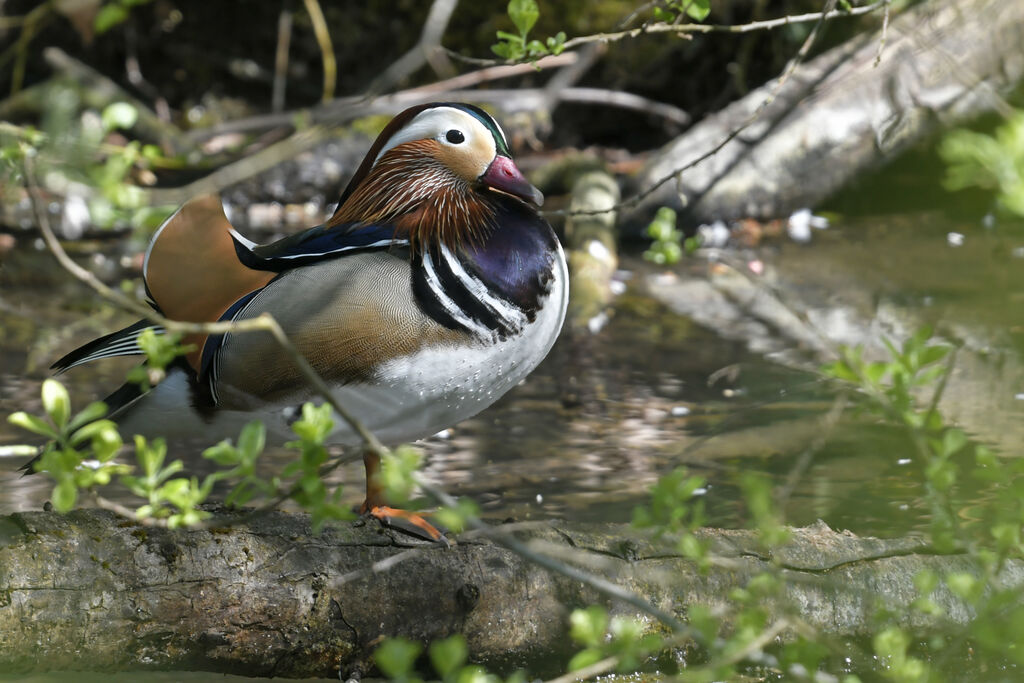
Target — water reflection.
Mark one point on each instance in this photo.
(641, 404)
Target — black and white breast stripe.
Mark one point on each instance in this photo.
(458, 299)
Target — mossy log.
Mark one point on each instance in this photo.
(591, 252)
(89, 590)
(850, 109)
(590, 241)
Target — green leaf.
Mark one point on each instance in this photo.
(456, 518)
(395, 656)
(149, 458)
(92, 412)
(926, 581)
(535, 48)
(32, 424)
(56, 402)
(511, 38)
(524, 14)
(252, 439)
(962, 585)
(874, 372)
(891, 642)
(952, 441)
(449, 654)
(223, 453)
(119, 115)
(105, 440)
(109, 16)
(585, 658)
(934, 353)
(506, 51)
(588, 626)
(397, 473)
(65, 493)
(698, 10)
(840, 369)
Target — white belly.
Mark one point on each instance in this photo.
(422, 393)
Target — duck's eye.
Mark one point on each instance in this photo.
(454, 136)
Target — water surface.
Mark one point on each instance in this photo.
(595, 426)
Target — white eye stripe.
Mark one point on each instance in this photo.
(435, 123)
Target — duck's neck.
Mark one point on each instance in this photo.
(422, 198)
(493, 287)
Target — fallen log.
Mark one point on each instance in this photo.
(844, 112)
(89, 590)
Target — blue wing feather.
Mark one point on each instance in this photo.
(315, 244)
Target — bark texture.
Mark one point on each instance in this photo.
(840, 113)
(89, 590)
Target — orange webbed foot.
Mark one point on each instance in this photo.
(406, 521)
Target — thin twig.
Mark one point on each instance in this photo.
(828, 423)
(424, 51)
(323, 39)
(885, 33)
(347, 108)
(389, 563)
(303, 140)
(766, 24)
(493, 73)
(801, 54)
(588, 672)
(598, 583)
(284, 38)
(685, 29)
(220, 521)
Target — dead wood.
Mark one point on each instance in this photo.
(89, 590)
(842, 113)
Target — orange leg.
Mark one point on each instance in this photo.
(376, 506)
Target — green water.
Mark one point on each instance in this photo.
(642, 402)
(646, 404)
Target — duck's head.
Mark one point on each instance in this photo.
(436, 170)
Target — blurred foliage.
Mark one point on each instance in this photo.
(668, 242)
(80, 448)
(76, 153)
(517, 46)
(993, 162)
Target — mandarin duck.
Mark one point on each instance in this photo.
(434, 288)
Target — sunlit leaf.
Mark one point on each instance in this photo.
(252, 439)
(395, 656)
(585, 658)
(449, 654)
(65, 493)
(56, 402)
(109, 16)
(93, 411)
(119, 115)
(32, 424)
(524, 14)
(953, 440)
(588, 626)
(698, 10)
